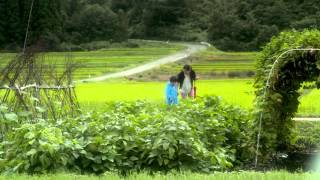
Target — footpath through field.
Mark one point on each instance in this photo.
(191, 49)
(307, 119)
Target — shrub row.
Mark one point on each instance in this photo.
(202, 135)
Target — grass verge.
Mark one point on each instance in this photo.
(176, 176)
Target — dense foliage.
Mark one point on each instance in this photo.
(229, 25)
(277, 102)
(244, 175)
(307, 136)
(201, 135)
(249, 24)
(47, 22)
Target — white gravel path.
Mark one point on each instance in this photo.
(191, 49)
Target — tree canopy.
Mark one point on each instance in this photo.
(229, 25)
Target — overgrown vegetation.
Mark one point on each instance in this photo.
(277, 102)
(174, 175)
(200, 135)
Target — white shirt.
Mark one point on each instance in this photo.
(186, 86)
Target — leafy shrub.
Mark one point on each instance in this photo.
(202, 135)
(35, 148)
(7, 119)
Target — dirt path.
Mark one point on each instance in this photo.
(306, 119)
(191, 49)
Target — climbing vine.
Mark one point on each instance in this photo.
(288, 61)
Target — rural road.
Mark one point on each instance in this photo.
(191, 49)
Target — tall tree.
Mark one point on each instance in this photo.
(122, 33)
(3, 37)
(45, 20)
(97, 23)
(13, 25)
(230, 25)
(162, 16)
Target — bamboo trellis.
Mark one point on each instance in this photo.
(34, 83)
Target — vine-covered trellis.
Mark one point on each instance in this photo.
(288, 61)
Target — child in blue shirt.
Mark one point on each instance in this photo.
(172, 91)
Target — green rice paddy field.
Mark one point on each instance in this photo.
(210, 64)
(234, 91)
(95, 63)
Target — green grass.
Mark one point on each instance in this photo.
(176, 176)
(234, 91)
(310, 103)
(210, 64)
(95, 63)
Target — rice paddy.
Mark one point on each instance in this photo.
(216, 66)
(237, 92)
(95, 63)
(210, 64)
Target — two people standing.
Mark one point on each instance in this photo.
(185, 82)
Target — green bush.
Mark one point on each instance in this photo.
(35, 148)
(202, 135)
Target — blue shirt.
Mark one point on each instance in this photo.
(171, 94)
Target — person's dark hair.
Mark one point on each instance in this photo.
(187, 67)
(173, 79)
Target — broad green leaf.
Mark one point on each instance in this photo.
(75, 155)
(41, 109)
(44, 161)
(3, 108)
(29, 135)
(134, 158)
(171, 153)
(16, 168)
(31, 152)
(166, 162)
(165, 145)
(83, 152)
(11, 117)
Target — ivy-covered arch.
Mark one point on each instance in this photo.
(288, 61)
